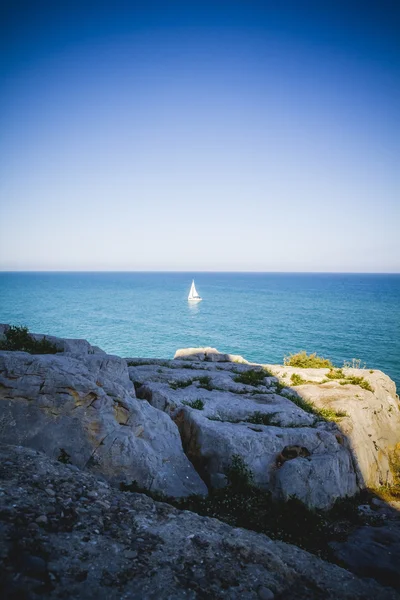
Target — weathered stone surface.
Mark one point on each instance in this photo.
(372, 427)
(207, 354)
(95, 542)
(317, 480)
(373, 552)
(86, 407)
(224, 426)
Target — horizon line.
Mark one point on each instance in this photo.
(199, 271)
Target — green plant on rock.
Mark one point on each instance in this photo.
(205, 382)
(363, 383)
(19, 338)
(239, 476)
(326, 414)
(392, 491)
(260, 418)
(297, 379)
(180, 384)
(304, 360)
(335, 374)
(252, 377)
(197, 404)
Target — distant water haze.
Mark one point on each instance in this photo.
(261, 316)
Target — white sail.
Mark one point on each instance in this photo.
(193, 295)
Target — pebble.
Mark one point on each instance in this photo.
(130, 554)
(92, 494)
(265, 593)
(42, 520)
(50, 492)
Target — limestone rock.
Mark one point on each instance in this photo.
(125, 545)
(84, 408)
(354, 457)
(372, 552)
(207, 354)
(372, 427)
(317, 480)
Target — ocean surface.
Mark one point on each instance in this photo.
(262, 316)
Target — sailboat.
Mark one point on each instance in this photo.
(193, 295)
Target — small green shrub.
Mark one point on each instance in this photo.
(297, 379)
(252, 377)
(205, 382)
(19, 338)
(238, 474)
(327, 414)
(180, 384)
(260, 418)
(363, 383)
(197, 404)
(304, 360)
(335, 374)
(392, 491)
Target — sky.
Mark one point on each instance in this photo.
(200, 135)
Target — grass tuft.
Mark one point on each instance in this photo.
(260, 418)
(180, 384)
(363, 383)
(297, 379)
(304, 360)
(205, 382)
(197, 404)
(252, 377)
(335, 374)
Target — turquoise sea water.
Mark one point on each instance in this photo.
(261, 316)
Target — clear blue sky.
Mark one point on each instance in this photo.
(200, 135)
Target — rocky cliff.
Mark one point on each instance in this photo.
(175, 426)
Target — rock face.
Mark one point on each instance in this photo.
(372, 552)
(220, 414)
(64, 534)
(84, 408)
(372, 426)
(179, 431)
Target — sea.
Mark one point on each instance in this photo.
(261, 316)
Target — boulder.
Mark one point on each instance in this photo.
(84, 409)
(372, 426)
(207, 354)
(372, 552)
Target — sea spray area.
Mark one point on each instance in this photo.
(260, 316)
